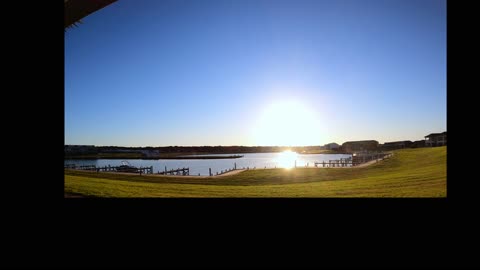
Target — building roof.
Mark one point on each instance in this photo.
(397, 142)
(436, 134)
(366, 141)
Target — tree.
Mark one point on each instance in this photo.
(75, 10)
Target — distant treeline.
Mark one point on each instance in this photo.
(209, 149)
(169, 151)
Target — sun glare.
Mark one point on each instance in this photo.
(287, 123)
(286, 159)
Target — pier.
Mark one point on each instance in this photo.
(355, 160)
(178, 171)
(122, 168)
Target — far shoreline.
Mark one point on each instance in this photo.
(194, 155)
(158, 158)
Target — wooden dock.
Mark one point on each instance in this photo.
(178, 171)
(225, 171)
(130, 169)
(343, 162)
(355, 160)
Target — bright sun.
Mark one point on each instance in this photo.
(287, 123)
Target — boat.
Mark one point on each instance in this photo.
(126, 167)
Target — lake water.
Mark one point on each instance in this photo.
(201, 166)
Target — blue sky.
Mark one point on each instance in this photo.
(159, 73)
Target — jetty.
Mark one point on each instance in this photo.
(202, 157)
(178, 171)
(355, 160)
(122, 168)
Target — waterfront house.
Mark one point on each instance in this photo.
(436, 139)
(396, 145)
(417, 144)
(357, 146)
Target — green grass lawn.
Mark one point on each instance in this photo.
(417, 172)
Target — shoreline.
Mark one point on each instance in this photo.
(233, 172)
(193, 156)
(230, 173)
(157, 158)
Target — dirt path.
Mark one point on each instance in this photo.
(199, 176)
(367, 163)
(185, 176)
(230, 173)
(370, 163)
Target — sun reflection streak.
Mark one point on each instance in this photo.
(286, 159)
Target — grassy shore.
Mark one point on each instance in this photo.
(417, 172)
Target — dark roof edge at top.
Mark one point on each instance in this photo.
(398, 142)
(436, 134)
(361, 141)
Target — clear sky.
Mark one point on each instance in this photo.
(255, 72)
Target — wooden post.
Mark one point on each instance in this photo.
(210, 171)
(235, 165)
(165, 169)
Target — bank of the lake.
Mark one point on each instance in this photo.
(417, 172)
(201, 164)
